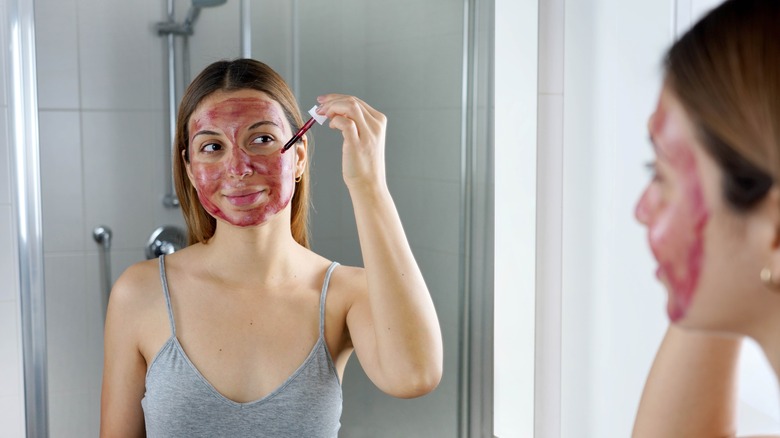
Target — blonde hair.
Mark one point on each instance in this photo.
(234, 75)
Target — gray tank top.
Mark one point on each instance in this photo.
(180, 402)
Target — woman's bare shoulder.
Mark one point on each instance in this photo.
(137, 287)
(349, 280)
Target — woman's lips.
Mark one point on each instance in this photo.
(241, 199)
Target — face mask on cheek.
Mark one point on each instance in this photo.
(274, 174)
(677, 236)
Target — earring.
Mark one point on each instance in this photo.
(298, 178)
(769, 282)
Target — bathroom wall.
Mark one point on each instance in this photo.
(11, 384)
(103, 140)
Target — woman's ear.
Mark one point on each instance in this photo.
(188, 168)
(301, 155)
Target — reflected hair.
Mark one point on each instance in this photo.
(726, 72)
(234, 75)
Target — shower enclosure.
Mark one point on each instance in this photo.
(102, 107)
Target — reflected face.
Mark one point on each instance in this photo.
(673, 206)
(236, 165)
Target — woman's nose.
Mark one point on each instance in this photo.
(240, 165)
(643, 211)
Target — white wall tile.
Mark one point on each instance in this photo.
(66, 325)
(10, 350)
(9, 290)
(61, 181)
(119, 152)
(11, 416)
(120, 55)
(5, 159)
(96, 300)
(56, 45)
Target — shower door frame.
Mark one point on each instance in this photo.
(21, 85)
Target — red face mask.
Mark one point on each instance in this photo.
(674, 210)
(235, 158)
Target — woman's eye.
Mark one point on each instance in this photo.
(652, 167)
(211, 147)
(261, 139)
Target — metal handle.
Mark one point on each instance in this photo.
(102, 235)
(165, 240)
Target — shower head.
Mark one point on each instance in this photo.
(194, 12)
(186, 28)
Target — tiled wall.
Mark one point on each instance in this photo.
(11, 385)
(103, 139)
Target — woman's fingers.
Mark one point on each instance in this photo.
(363, 129)
(367, 120)
(347, 127)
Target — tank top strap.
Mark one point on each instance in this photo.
(164, 281)
(324, 294)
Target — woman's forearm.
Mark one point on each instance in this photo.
(407, 332)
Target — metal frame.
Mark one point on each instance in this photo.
(25, 168)
(475, 368)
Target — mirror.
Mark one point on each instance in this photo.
(104, 161)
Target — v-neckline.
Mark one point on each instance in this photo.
(180, 349)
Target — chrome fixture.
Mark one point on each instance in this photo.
(102, 235)
(165, 240)
(170, 29)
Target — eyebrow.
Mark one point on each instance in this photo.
(263, 122)
(254, 126)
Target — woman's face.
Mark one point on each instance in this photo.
(236, 164)
(705, 251)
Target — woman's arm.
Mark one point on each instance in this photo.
(691, 390)
(393, 326)
(124, 368)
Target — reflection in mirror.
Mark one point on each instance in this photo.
(102, 107)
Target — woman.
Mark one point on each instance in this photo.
(246, 332)
(712, 211)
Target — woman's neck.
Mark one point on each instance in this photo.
(260, 255)
(768, 338)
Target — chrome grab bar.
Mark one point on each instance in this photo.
(102, 235)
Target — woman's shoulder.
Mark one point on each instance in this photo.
(349, 280)
(138, 285)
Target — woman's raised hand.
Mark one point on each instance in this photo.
(363, 128)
